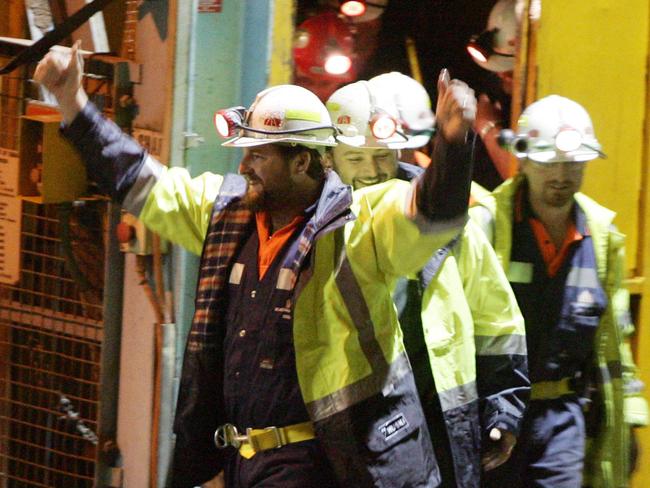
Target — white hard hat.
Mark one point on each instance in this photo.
(556, 129)
(413, 106)
(495, 48)
(364, 116)
(283, 113)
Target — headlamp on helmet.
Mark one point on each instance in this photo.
(494, 48)
(567, 141)
(481, 46)
(287, 114)
(553, 129)
(229, 120)
(382, 124)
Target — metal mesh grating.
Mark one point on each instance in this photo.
(51, 334)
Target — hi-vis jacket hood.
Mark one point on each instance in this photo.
(622, 404)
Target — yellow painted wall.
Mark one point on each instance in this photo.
(280, 65)
(596, 52)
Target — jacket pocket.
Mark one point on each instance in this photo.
(397, 443)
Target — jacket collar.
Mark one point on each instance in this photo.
(333, 207)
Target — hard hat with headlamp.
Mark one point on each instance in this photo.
(280, 114)
(413, 106)
(554, 129)
(323, 48)
(364, 117)
(494, 48)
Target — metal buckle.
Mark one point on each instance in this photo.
(226, 435)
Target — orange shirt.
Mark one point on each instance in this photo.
(553, 257)
(270, 245)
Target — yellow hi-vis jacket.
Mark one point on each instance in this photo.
(475, 343)
(607, 458)
(354, 375)
(475, 337)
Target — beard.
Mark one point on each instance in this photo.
(255, 200)
(260, 198)
(559, 197)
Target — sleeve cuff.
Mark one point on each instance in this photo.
(82, 123)
(423, 223)
(150, 172)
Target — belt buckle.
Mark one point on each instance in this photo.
(252, 439)
(227, 435)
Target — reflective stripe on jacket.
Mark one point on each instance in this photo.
(619, 399)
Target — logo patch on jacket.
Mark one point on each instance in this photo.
(393, 426)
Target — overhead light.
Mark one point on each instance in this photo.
(229, 120)
(338, 64)
(353, 8)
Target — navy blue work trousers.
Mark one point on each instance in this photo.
(297, 465)
(550, 450)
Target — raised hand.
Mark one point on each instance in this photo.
(488, 115)
(455, 109)
(61, 74)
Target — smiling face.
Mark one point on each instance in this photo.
(553, 184)
(360, 166)
(269, 177)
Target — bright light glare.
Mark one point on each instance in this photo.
(476, 54)
(568, 140)
(383, 127)
(353, 8)
(337, 64)
(222, 125)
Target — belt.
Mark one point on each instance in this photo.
(257, 440)
(550, 390)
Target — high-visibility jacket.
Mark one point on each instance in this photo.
(619, 402)
(354, 375)
(476, 342)
(475, 339)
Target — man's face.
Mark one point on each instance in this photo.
(362, 167)
(268, 175)
(553, 184)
